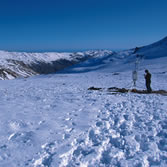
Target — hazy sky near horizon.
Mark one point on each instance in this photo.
(66, 25)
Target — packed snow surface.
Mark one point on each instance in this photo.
(55, 121)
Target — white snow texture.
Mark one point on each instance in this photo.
(55, 121)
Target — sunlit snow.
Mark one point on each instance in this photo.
(55, 121)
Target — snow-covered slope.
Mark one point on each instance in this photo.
(55, 121)
(125, 60)
(15, 64)
(155, 50)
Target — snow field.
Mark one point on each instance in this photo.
(53, 120)
(124, 134)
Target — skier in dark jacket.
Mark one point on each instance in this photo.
(148, 81)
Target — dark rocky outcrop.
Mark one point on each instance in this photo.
(124, 90)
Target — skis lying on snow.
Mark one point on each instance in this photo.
(123, 90)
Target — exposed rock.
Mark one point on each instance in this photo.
(123, 90)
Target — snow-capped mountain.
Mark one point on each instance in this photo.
(22, 64)
(15, 64)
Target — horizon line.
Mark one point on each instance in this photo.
(60, 50)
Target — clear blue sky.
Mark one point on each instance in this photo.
(65, 25)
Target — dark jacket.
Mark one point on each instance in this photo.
(148, 77)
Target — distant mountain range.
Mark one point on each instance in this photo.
(22, 64)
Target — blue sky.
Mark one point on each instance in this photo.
(66, 25)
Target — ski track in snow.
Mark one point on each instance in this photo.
(53, 120)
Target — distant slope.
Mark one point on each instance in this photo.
(155, 50)
(125, 60)
(15, 64)
(99, 60)
(22, 64)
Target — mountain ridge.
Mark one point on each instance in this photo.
(23, 64)
(154, 50)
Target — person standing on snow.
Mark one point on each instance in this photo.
(148, 81)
